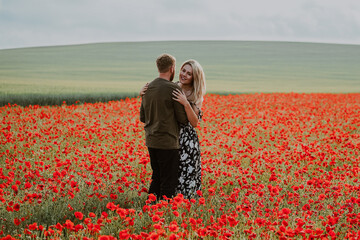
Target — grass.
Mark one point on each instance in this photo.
(59, 99)
(230, 67)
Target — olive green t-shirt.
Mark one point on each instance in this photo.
(162, 115)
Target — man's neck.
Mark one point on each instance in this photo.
(165, 76)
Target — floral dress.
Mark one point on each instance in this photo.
(190, 161)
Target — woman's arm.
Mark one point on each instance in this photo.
(143, 89)
(191, 113)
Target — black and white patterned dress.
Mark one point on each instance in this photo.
(190, 161)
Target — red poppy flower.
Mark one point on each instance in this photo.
(79, 215)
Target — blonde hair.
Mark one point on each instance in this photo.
(164, 62)
(198, 81)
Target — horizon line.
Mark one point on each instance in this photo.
(205, 40)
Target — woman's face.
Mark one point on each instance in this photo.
(186, 75)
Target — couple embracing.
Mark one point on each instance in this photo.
(170, 112)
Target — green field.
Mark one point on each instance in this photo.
(230, 67)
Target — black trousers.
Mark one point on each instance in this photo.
(165, 177)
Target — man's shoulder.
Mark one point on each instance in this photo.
(165, 83)
(172, 84)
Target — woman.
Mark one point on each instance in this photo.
(192, 83)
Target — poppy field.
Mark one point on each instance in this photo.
(274, 166)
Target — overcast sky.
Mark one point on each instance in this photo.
(25, 23)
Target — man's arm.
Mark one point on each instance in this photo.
(180, 113)
(142, 113)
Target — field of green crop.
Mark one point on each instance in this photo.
(230, 67)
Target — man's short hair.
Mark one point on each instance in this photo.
(164, 62)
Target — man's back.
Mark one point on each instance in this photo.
(162, 115)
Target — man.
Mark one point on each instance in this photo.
(162, 116)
